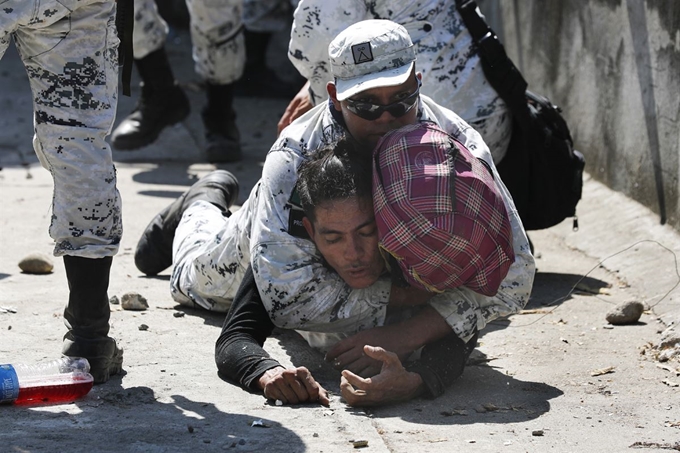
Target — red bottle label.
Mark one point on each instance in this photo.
(9, 384)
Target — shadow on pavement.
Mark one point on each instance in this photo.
(483, 394)
(134, 419)
(552, 288)
(165, 173)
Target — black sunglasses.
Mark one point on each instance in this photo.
(370, 111)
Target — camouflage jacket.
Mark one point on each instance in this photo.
(446, 54)
(300, 292)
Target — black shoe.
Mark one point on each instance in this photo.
(154, 249)
(222, 138)
(104, 356)
(156, 109)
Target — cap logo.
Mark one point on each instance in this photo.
(362, 52)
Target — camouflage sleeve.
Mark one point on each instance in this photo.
(316, 23)
(297, 289)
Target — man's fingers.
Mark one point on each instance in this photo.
(323, 397)
(346, 388)
(287, 117)
(355, 380)
(314, 390)
(297, 387)
(378, 353)
(310, 385)
(340, 348)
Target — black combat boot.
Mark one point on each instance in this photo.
(87, 317)
(223, 140)
(258, 79)
(161, 104)
(154, 249)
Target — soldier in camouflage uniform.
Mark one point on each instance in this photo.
(447, 58)
(70, 51)
(219, 58)
(212, 248)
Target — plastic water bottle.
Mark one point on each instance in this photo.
(58, 381)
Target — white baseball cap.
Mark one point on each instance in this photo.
(369, 54)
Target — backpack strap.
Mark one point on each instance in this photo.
(499, 70)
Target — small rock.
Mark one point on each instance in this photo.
(669, 340)
(134, 301)
(36, 263)
(178, 314)
(625, 313)
(190, 428)
(537, 432)
(143, 327)
(113, 300)
(669, 353)
(360, 443)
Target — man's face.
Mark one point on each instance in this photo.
(346, 235)
(369, 132)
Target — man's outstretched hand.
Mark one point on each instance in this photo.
(391, 385)
(292, 386)
(349, 353)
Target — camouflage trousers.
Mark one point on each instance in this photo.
(70, 51)
(210, 255)
(268, 16)
(219, 50)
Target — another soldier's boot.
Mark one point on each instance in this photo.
(87, 317)
(258, 79)
(154, 249)
(223, 140)
(161, 104)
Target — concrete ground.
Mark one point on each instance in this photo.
(534, 384)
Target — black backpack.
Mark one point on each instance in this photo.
(541, 169)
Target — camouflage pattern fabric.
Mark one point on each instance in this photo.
(70, 51)
(211, 252)
(268, 16)
(216, 35)
(446, 56)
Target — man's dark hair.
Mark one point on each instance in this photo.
(336, 171)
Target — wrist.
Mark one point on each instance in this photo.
(268, 376)
(417, 385)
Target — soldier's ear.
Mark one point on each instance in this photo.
(333, 94)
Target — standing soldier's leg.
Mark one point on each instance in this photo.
(71, 61)
(162, 102)
(219, 57)
(261, 19)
